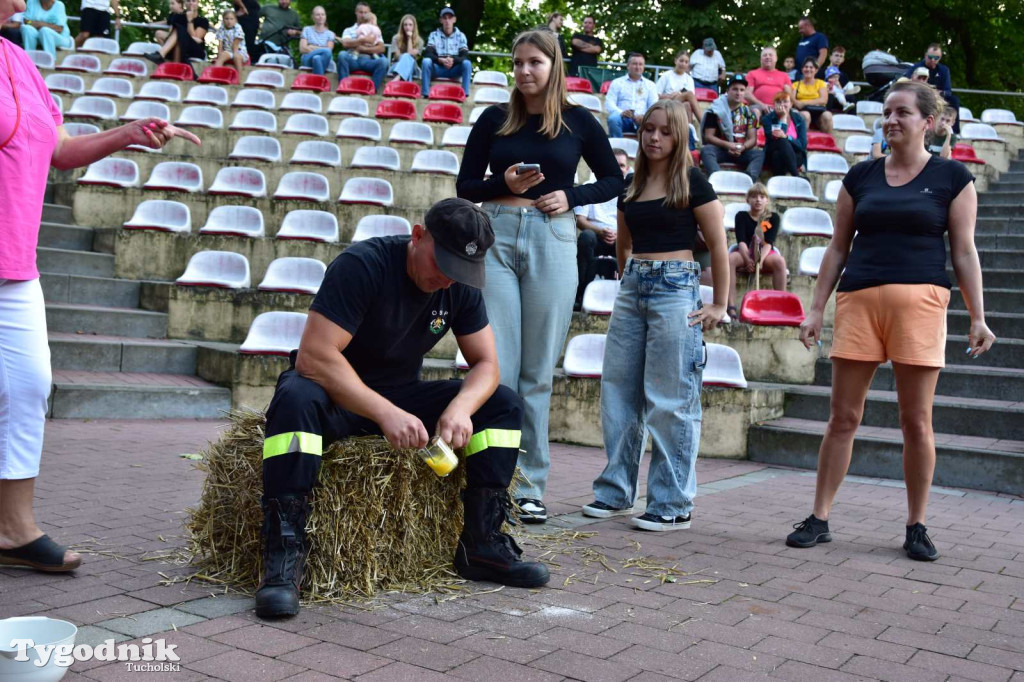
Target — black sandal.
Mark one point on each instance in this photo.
(732, 313)
(42, 554)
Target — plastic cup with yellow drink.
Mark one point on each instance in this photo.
(439, 456)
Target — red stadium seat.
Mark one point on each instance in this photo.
(772, 308)
(605, 86)
(695, 153)
(312, 81)
(402, 89)
(574, 84)
(448, 92)
(442, 112)
(174, 71)
(219, 74)
(354, 85)
(760, 137)
(821, 142)
(705, 95)
(964, 153)
(396, 108)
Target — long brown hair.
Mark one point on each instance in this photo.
(678, 195)
(403, 43)
(555, 95)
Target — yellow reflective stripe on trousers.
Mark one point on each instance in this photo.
(293, 441)
(492, 438)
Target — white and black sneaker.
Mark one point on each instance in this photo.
(600, 510)
(661, 523)
(531, 511)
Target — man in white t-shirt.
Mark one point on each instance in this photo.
(598, 225)
(707, 66)
(95, 20)
(629, 97)
(678, 85)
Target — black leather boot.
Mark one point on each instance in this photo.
(284, 555)
(486, 553)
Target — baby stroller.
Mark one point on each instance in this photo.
(880, 70)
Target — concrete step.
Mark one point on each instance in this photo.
(56, 213)
(963, 381)
(998, 278)
(75, 262)
(999, 225)
(60, 236)
(1006, 353)
(978, 417)
(101, 291)
(122, 395)
(93, 353)
(1013, 185)
(73, 318)
(993, 209)
(996, 300)
(1000, 259)
(961, 461)
(1013, 242)
(1003, 325)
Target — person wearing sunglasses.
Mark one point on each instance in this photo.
(938, 77)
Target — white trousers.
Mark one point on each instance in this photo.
(24, 377)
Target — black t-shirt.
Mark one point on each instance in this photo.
(176, 19)
(656, 228)
(250, 23)
(899, 230)
(745, 227)
(368, 293)
(581, 58)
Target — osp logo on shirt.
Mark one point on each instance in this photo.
(438, 320)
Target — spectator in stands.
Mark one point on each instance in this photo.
(879, 147)
(789, 66)
(34, 140)
(369, 31)
(837, 101)
(94, 20)
(678, 85)
(597, 225)
(730, 132)
(11, 29)
(756, 231)
(187, 39)
(231, 42)
(941, 139)
(45, 26)
(836, 59)
(362, 53)
(651, 379)
(939, 78)
(707, 66)
(447, 53)
(785, 138)
(766, 82)
(406, 48)
(812, 44)
(316, 46)
(248, 13)
(531, 283)
(629, 97)
(281, 25)
(175, 16)
(554, 24)
(585, 47)
(811, 96)
(891, 301)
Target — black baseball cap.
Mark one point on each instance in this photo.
(447, 10)
(462, 234)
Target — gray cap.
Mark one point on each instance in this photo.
(709, 44)
(447, 10)
(462, 234)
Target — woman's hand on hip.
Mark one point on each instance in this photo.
(155, 133)
(810, 330)
(980, 338)
(707, 316)
(555, 202)
(519, 183)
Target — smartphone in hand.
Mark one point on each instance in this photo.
(527, 167)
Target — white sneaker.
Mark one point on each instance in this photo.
(532, 511)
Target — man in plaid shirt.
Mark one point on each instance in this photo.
(447, 53)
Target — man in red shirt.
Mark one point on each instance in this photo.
(766, 82)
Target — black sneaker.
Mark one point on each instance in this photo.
(918, 545)
(155, 57)
(661, 523)
(600, 510)
(809, 532)
(531, 511)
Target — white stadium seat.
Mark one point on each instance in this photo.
(380, 158)
(141, 48)
(707, 297)
(58, 100)
(832, 191)
(43, 60)
(731, 209)
(111, 172)
(93, 107)
(294, 275)
(307, 124)
(970, 131)
(491, 96)
(435, 161)
(494, 78)
(411, 132)
(359, 129)
(161, 215)
(224, 269)
(275, 61)
(201, 116)
(582, 99)
(868, 107)
(254, 120)
(317, 153)
(802, 220)
(460, 361)
(381, 226)
(214, 95)
(966, 116)
(314, 226)
(991, 116)
(302, 101)
(175, 176)
(346, 105)
(257, 148)
(827, 163)
(849, 122)
(810, 260)
(84, 63)
(65, 82)
(112, 87)
(146, 109)
(100, 45)
(476, 113)
(239, 181)
(626, 144)
(264, 78)
(274, 333)
(76, 129)
(788, 187)
(372, 191)
(455, 136)
(857, 144)
(584, 355)
(236, 221)
(161, 91)
(730, 182)
(126, 66)
(302, 186)
(723, 367)
(599, 296)
(254, 99)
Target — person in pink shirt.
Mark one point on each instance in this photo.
(32, 139)
(766, 82)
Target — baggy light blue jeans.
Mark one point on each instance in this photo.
(531, 286)
(406, 68)
(317, 60)
(651, 381)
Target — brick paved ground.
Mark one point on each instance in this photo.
(855, 609)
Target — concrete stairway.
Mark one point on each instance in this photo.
(111, 359)
(979, 404)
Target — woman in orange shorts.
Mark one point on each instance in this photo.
(891, 301)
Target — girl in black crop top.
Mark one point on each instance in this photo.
(654, 352)
(759, 218)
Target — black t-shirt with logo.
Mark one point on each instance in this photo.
(368, 293)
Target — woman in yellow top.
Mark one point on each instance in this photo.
(810, 95)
